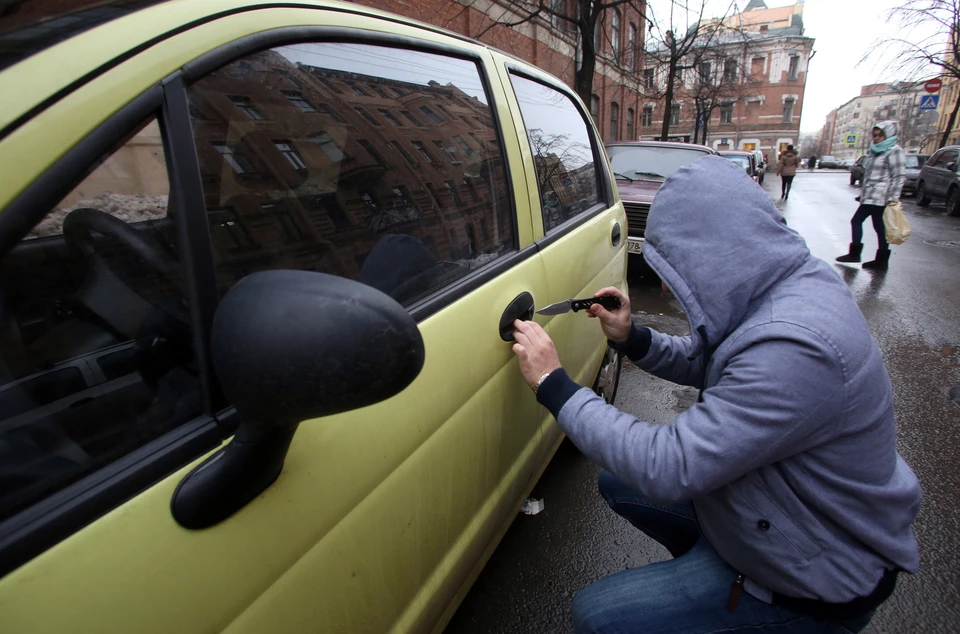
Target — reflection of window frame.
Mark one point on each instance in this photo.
(237, 160)
(366, 115)
(330, 112)
(398, 148)
(454, 194)
(288, 228)
(231, 225)
(469, 151)
(369, 198)
(470, 188)
(422, 149)
(285, 147)
(402, 193)
(726, 113)
(357, 88)
(327, 145)
(372, 151)
(329, 84)
(386, 114)
(296, 98)
(430, 114)
(245, 105)
(411, 118)
(646, 117)
(446, 151)
(434, 194)
(329, 205)
(675, 114)
(479, 141)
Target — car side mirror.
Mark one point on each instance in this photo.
(952, 166)
(289, 346)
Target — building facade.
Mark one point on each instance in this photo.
(847, 135)
(767, 61)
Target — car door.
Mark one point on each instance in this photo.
(577, 216)
(274, 149)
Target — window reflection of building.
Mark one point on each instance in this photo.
(350, 159)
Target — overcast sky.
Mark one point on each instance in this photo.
(844, 31)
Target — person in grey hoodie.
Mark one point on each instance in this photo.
(883, 175)
(780, 493)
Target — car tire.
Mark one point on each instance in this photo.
(953, 202)
(608, 377)
(922, 199)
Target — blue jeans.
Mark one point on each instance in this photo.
(687, 594)
(875, 213)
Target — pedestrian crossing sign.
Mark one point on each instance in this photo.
(929, 102)
(852, 139)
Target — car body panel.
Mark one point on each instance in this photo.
(745, 160)
(394, 507)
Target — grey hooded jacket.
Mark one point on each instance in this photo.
(789, 457)
(883, 174)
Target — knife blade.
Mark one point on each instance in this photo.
(607, 301)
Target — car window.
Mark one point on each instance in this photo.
(562, 151)
(936, 160)
(372, 163)
(742, 161)
(912, 162)
(650, 162)
(947, 157)
(97, 350)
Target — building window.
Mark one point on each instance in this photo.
(788, 111)
(325, 143)
(595, 109)
(434, 194)
(859, 104)
(615, 33)
(287, 227)
(369, 200)
(646, 119)
(630, 115)
(471, 190)
(726, 113)
(756, 67)
(402, 152)
(449, 152)
(856, 115)
(299, 101)
(357, 88)
(403, 194)
(632, 47)
(366, 115)
(452, 188)
(245, 105)
(423, 150)
(329, 84)
(386, 114)
(240, 163)
(648, 75)
(469, 151)
(293, 157)
(380, 91)
(729, 71)
(705, 73)
(614, 132)
(794, 69)
(330, 112)
(430, 114)
(412, 119)
(675, 114)
(372, 151)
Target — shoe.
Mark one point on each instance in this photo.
(881, 263)
(856, 248)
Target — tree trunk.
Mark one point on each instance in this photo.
(583, 77)
(950, 122)
(696, 121)
(668, 99)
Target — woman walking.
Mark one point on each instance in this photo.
(883, 174)
(786, 170)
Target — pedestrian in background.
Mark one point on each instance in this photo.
(780, 493)
(786, 170)
(882, 181)
(812, 163)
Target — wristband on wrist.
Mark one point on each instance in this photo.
(543, 377)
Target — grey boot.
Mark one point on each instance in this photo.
(881, 263)
(856, 248)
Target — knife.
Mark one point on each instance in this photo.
(607, 301)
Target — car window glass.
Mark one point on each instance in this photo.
(936, 160)
(96, 349)
(562, 151)
(912, 162)
(376, 164)
(948, 156)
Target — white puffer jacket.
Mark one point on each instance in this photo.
(883, 174)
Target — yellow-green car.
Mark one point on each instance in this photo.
(258, 266)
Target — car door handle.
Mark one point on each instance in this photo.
(615, 234)
(520, 308)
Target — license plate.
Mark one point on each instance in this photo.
(634, 245)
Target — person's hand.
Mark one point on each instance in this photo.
(535, 350)
(615, 323)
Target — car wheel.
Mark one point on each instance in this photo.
(922, 199)
(608, 378)
(953, 202)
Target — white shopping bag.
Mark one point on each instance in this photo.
(895, 223)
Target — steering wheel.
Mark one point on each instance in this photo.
(80, 225)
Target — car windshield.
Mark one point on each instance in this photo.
(915, 161)
(739, 159)
(647, 162)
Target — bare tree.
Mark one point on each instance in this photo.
(672, 55)
(928, 36)
(731, 84)
(582, 17)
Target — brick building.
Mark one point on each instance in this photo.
(767, 60)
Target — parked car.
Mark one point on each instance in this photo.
(938, 180)
(828, 162)
(856, 171)
(914, 163)
(761, 164)
(259, 268)
(640, 167)
(745, 160)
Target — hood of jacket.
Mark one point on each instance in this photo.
(890, 128)
(717, 240)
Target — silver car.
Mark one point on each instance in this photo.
(938, 180)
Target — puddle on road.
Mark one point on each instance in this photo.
(950, 244)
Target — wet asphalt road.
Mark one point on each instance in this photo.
(914, 314)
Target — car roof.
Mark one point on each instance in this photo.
(734, 153)
(670, 144)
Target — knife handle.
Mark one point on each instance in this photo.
(607, 301)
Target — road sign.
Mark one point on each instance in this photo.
(933, 85)
(929, 102)
(852, 139)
